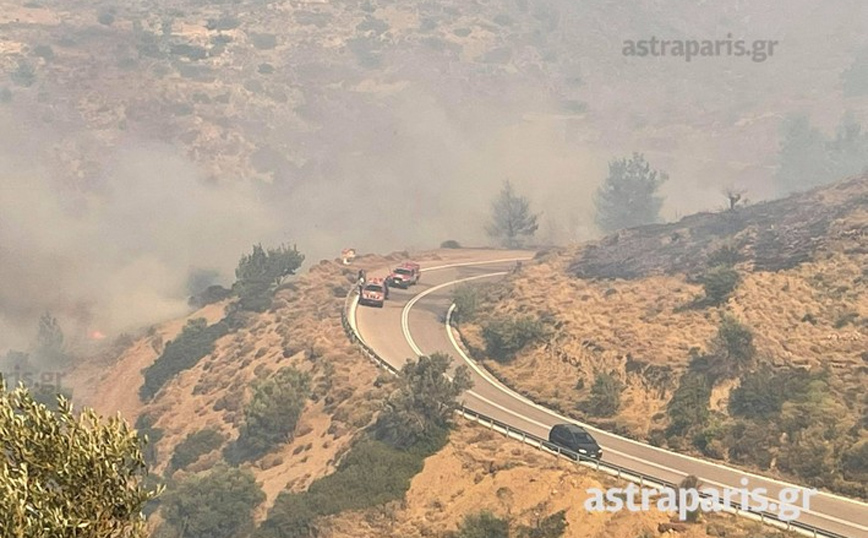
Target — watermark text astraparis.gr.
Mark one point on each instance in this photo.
(758, 50)
(788, 506)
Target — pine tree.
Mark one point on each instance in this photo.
(628, 196)
(804, 161)
(512, 223)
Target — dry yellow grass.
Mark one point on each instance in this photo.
(605, 322)
(813, 315)
(480, 471)
(476, 470)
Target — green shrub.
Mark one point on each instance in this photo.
(605, 395)
(726, 256)
(5, 95)
(466, 299)
(450, 243)
(106, 18)
(272, 414)
(504, 338)
(218, 504)
(420, 410)
(44, 51)
(732, 347)
(795, 402)
(552, 526)
(192, 52)
(751, 442)
(150, 436)
(483, 525)
(194, 446)
(25, 75)
(227, 22)
(846, 319)
(760, 395)
(856, 462)
(263, 41)
(689, 407)
(195, 341)
(719, 283)
(373, 473)
(809, 456)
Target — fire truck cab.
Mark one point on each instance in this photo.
(405, 275)
(374, 292)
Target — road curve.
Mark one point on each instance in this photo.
(413, 322)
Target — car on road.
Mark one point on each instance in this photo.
(575, 439)
(374, 292)
(405, 275)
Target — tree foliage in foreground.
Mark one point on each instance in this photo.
(63, 474)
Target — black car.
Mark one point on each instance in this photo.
(576, 439)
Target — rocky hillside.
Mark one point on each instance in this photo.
(738, 335)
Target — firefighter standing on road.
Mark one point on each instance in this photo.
(362, 279)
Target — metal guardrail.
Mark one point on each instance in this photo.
(540, 443)
(356, 339)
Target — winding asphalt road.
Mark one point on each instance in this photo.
(413, 322)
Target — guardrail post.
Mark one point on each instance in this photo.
(541, 443)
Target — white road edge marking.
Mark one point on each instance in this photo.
(705, 481)
(405, 314)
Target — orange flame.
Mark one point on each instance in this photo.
(96, 335)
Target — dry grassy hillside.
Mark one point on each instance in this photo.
(477, 470)
(628, 306)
